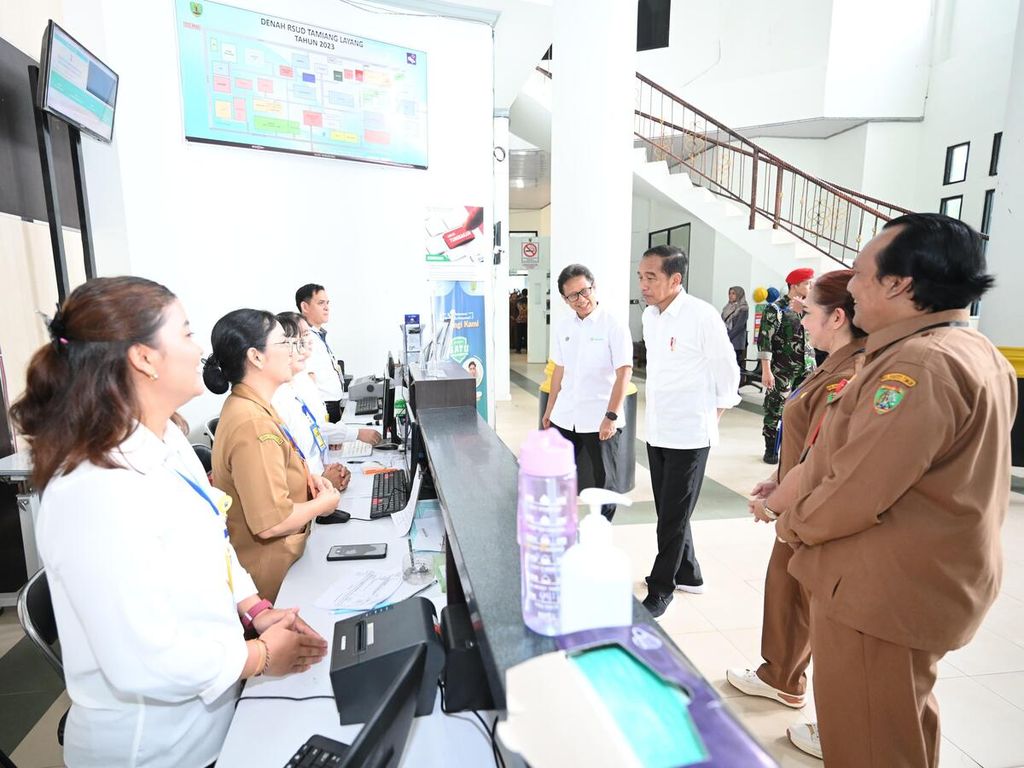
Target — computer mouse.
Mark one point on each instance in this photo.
(337, 516)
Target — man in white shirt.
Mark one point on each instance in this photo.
(311, 300)
(593, 356)
(692, 377)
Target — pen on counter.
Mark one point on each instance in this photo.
(412, 557)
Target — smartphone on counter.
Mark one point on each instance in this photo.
(357, 552)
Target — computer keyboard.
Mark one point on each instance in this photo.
(318, 751)
(352, 449)
(367, 405)
(390, 493)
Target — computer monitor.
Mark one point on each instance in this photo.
(382, 741)
(75, 86)
(389, 425)
(443, 341)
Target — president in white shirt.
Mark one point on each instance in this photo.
(312, 301)
(692, 377)
(593, 355)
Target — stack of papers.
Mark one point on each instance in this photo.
(360, 590)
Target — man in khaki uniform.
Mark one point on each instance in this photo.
(895, 513)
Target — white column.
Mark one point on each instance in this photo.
(594, 64)
(499, 304)
(1000, 308)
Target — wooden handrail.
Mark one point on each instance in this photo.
(842, 193)
(717, 135)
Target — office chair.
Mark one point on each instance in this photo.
(35, 613)
(205, 456)
(211, 429)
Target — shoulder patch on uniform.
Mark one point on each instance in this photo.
(834, 389)
(268, 436)
(889, 396)
(901, 378)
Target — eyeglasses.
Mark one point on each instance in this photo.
(572, 298)
(292, 344)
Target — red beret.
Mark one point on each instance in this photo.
(799, 275)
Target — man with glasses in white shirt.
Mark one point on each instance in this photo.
(692, 377)
(311, 300)
(593, 356)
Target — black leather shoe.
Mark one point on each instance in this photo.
(657, 604)
(771, 457)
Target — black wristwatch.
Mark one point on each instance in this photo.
(611, 415)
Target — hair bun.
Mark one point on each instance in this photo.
(213, 376)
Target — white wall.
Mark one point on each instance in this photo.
(1000, 309)
(227, 227)
(967, 94)
(746, 62)
(878, 54)
(716, 262)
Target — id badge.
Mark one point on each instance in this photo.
(321, 444)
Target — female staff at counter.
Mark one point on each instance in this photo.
(256, 459)
(146, 589)
(785, 634)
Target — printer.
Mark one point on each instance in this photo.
(366, 386)
(368, 651)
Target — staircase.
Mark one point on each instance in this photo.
(687, 158)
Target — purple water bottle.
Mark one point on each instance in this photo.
(546, 517)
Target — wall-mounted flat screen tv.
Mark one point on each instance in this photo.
(75, 86)
(254, 80)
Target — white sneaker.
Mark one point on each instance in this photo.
(697, 589)
(747, 681)
(805, 738)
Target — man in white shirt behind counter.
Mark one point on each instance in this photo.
(593, 356)
(692, 377)
(311, 300)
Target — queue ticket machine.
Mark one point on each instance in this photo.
(368, 650)
(382, 740)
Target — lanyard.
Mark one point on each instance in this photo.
(295, 445)
(314, 427)
(313, 492)
(330, 354)
(217, 510)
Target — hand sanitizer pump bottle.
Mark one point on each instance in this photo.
(546, 520)
(597, 590)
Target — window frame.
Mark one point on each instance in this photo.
(950, 151)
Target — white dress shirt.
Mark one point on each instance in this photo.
(324, 366)
(138, 566)
(691, 373)
(309, 393)
(590, 350)
(302, 422)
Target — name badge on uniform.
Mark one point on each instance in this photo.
(672, 344)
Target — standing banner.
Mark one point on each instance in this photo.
(463, 301)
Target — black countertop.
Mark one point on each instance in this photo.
(476, 477)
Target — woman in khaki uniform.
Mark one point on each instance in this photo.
(255, 459)
(785, 634)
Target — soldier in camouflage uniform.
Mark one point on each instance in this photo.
(785, 357)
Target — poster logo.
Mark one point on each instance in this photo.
(410, 58)
(196, 8)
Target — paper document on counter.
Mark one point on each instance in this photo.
(428, 531)
(360, 590)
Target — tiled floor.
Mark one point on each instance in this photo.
(981, 687)
(980, 690)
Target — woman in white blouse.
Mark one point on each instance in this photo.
(150, 600)
(298, 403)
